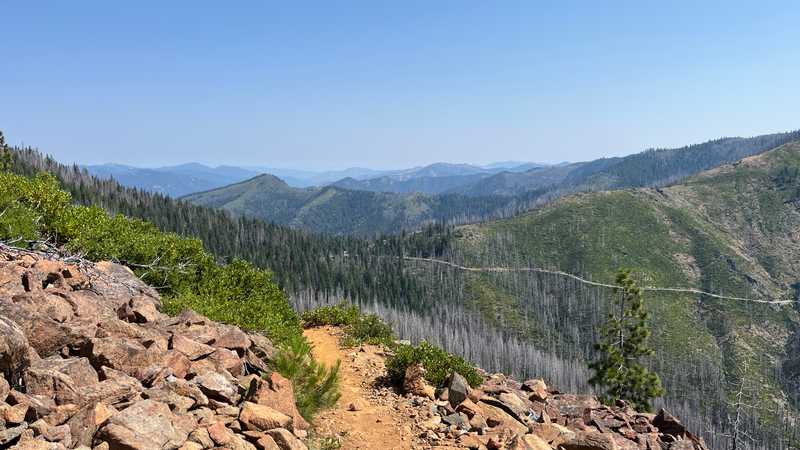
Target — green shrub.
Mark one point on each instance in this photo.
(359, 328)
(335, 315)
(371, 329)
(438, 364)
(329, 443)
(29, 206)
(316, 386)
(242, 295)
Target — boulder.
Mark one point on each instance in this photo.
(459, 420)
(51, 433)
(8, 435)
(15, 352)
(192, 349)
(234, 339)
(84, 423)
(123, 354)
(498, 418)
(47, 304)
(537, 389)
(177, 403)
(414, 382)
(257, 417)
(528, 442)
(552, 433)
(286, 440)
(510, 403)
(262, 347)
(224, 437)
(118, 283)
(186, 389)
(458, 389)
(63, 379)
(144, 425)
(277, 393)
(140, 309)
(38, 444)
(38, 406)
(218, 386)
(590, 440)
(573, 405)
(5, 388)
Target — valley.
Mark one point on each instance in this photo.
(730, 231)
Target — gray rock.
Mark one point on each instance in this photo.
(458, 389)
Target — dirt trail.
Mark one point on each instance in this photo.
(376, 423)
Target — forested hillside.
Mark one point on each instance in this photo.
(732, 230)
(654, 167)
(342, 211)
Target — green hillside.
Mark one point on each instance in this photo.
(343, 211)
(732, 230)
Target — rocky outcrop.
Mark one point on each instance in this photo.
(88, 360)
(503, 413)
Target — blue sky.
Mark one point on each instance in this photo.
(390, 84)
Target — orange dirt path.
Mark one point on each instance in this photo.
(376, 424)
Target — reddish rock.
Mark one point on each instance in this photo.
(277, 393)
(192, 349)
(218, 386)
(84, 423)
(257, 417)
(537, 389)
(414, 382)
(262, 347)
(589, 441)
(144, 425)
(60, 378)
(15, 351)
(140, 309)
(126, 355)
(233, 339)
(222, 358)
(286, 440)
(39, 406)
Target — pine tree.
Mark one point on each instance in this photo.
(5, 154)
(623, 344)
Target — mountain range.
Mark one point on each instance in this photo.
(180, 180)
(462, 193)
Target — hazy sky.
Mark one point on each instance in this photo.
(383, 84)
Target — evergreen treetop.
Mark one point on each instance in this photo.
(619, 371)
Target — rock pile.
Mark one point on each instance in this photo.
(89, 361)
(505, 414)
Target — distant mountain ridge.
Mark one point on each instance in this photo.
(335, 210)
(174, 181)
(183, 179)
(391, 205)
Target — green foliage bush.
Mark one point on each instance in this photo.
(29, 207)
(243, 295)
(438, 364)
(359, 328)
(371, 329)
(342, 314)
